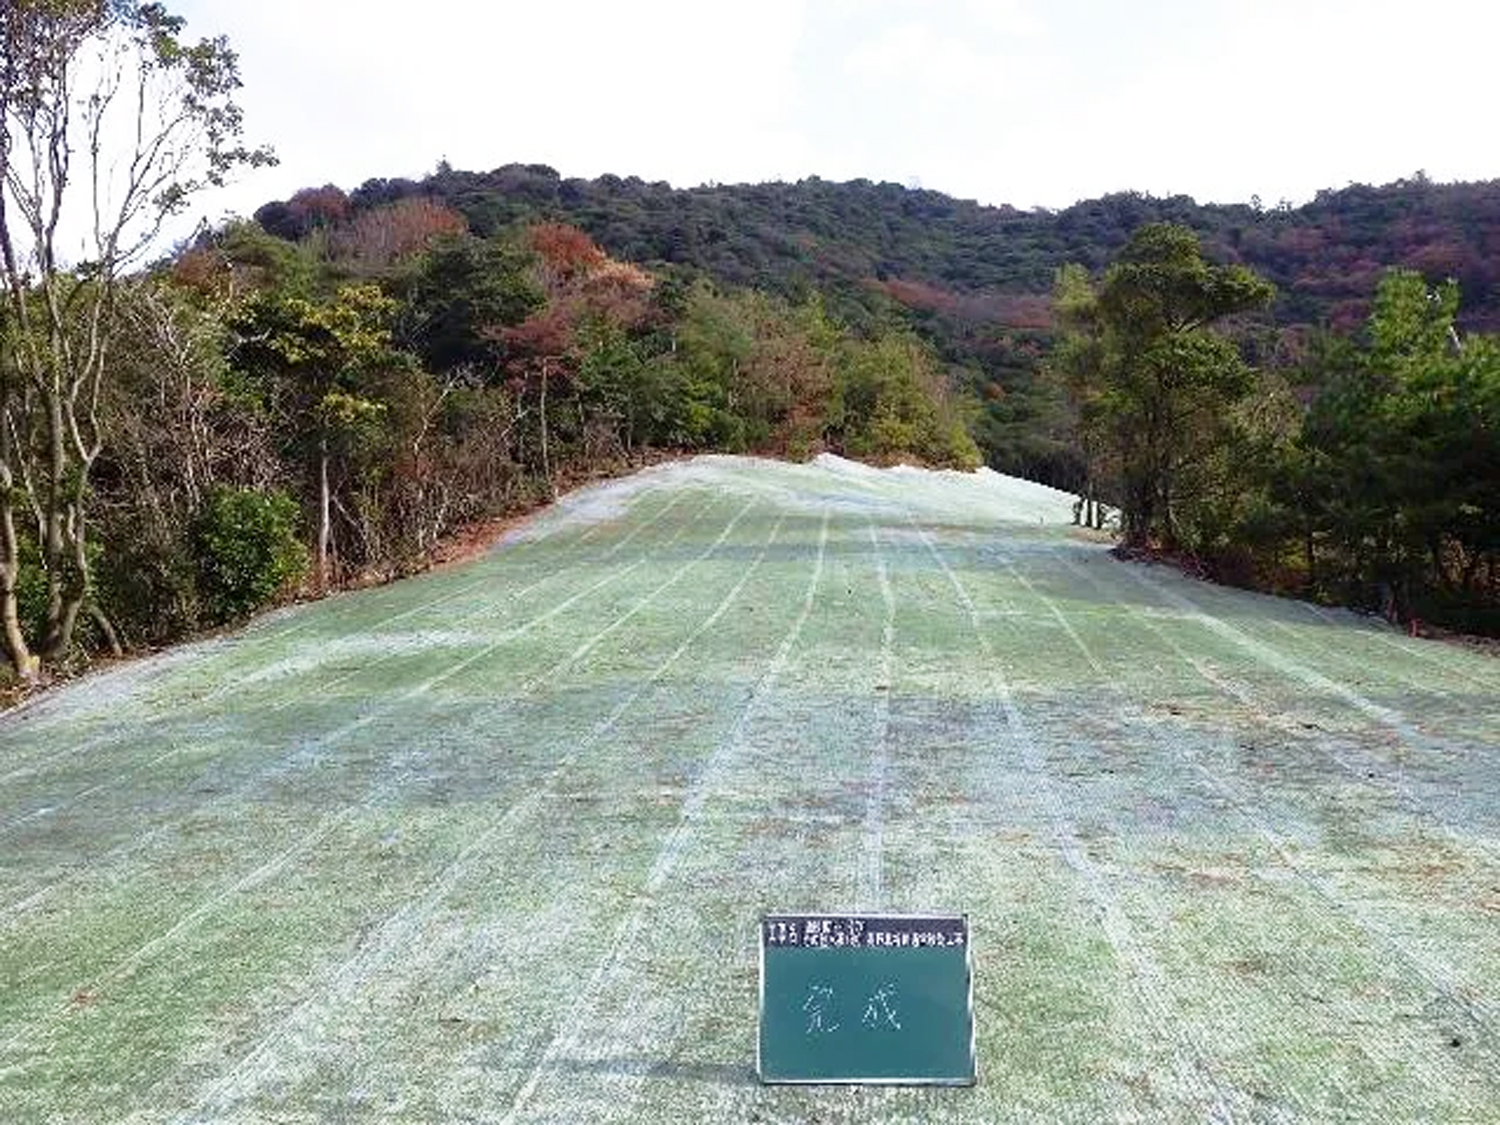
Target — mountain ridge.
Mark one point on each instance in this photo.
(1324, 256)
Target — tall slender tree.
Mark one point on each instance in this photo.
(319, 363)
(110, 121)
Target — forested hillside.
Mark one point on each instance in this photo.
(976, 280)
(1324, 257)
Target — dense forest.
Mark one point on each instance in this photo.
(1367, 475)
(326, 411)
(976, 281)
(320, 395)
(1324, 257)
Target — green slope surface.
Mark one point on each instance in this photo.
(492, 844)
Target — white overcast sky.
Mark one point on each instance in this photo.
(1027, 102)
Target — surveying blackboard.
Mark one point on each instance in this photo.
(883, 998)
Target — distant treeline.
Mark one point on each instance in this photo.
(1324, 257)
(974, 280)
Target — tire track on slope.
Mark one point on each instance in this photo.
(566, 1039)
(1147, 982)
(1392, 720)
(309, 839)
(398, 929)
(1436, 974)
(205, 703)
(1326, 652)
(872, 884)
(1235, 800)
(288, 700)
(1416, 647)
(1450, 706)
(1315, 643)
(1268, 655)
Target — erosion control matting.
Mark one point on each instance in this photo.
(495, 844)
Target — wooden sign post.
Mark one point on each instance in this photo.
(880, 998)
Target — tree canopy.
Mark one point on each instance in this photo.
(1155, 384)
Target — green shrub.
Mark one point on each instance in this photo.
(147, 581)
(247, 550)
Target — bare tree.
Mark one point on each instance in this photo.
(111, 122)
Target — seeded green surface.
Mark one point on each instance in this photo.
(492, 844)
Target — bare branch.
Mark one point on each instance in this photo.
(157, 124)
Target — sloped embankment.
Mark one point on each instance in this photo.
(491, 844)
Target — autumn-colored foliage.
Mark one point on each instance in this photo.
(583, 285)
(564, 251)
(547, 332)
(1010, 310)
(321, 206)
(201, 270)
(379, 238)
(309, 209)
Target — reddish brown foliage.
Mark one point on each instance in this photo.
(564, 251)
(548, 332)
(1440, 259)
(387, 234)
(581, 283)
(617, 291)
(1023, 310)
(1014, 310)
(322, 206)
(202, 270)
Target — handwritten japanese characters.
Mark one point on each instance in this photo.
(866, 998)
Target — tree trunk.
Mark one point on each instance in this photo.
(107, 627)
(325, 515)
(1163, 512)
(17, 652)
(546, 462)
(58, 637)
(66, 561)
(52, 534)
(1140, 513)
(25, 665)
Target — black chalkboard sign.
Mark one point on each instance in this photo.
(879, 998)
